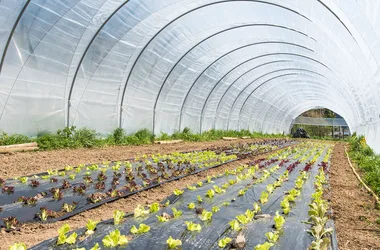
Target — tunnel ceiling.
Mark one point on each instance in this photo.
(203, 64)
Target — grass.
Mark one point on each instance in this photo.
(367, 161)
(71, 137)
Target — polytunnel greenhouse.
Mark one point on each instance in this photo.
(172, 124)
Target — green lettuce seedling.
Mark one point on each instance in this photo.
(173, 243)
(115, 239)
(118, 217)
(224, 242)
(191, 226)
(191, 206)
(63, 239)
(278, 221)
(235, 225)
(140, 211)
(178, 192)
(91, 226)
(265, 246)
(272, 236)
(264, 197)
(142, 229)
(18, 246)
(176, 213)
(210, 193)
(206, 215)
(154, 207)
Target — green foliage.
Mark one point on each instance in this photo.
(224, 242)
(115, 239)
(173, 243)
(265, 246)
(140, 211)
(72, 137)
(235, 225)
(191, 226)
(206, 215)
(278, 221)
(91, 226)
(176, 213)
(6, 139)
(62, 237)
(142, 229)
(18, 246)
(154, 207)
(367, 161)
(118, 217)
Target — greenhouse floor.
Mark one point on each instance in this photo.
(353, 208)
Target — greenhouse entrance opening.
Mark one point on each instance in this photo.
(322, 123)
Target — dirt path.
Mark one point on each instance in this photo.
(353, 208)
(32, 234)
(25, 163)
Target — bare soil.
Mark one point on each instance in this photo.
(34, 162)
(353, 207)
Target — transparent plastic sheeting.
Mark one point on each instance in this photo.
(169, 64)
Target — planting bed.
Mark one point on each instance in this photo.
(60, 194)
(235, 209)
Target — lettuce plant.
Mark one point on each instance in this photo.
(224, 242)
(178, 192)
(118, 217)
(210, 193)
(191, 226)
(191, 187)
(176, 213)
(173, 243)
(69, 207)
(270, 188)
(199, 198)
(278, 221)
(215, 209)
(62, 237)
(205, 216)
(264, 197)
(191, 206)
(140, 211)
(265, 246)
(218, 190)
(242, 219)
(115, 239)
(256, 207)
(235, 225)
(23, 180)
(142, 229)
(272, 236)
(154, 207)
(91, 226)
(164, 218)
(18, 246)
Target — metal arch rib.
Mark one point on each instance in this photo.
(242, 91)
(262, 84)
(291, 81)
(11, 34)
(209, 66)
(84, 55)
(175, 19)
(209, 37)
